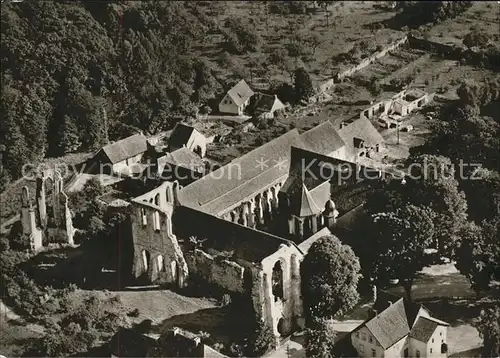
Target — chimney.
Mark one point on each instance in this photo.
(342, 124)
(197, 341)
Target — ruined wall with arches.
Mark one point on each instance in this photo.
(278, 291)
(50, 220)
(157, 254)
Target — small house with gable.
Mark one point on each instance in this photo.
(236, 99)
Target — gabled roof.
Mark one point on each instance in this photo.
(423, 329)
(390, 325)
(240, 92)
(125, 148)
(363, 129)
(181, 135)
(323, 138)
(182, 157)
(268, 103)
(398, 320)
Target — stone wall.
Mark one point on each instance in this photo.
(157, 254)
(223, 273)
(368, 60)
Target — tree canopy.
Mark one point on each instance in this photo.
(330, 274)
(135, 68)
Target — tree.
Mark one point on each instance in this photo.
(330, 274)
(314, 41)
(476, 38)
(261, 340)
(303, 85)
(70, 140)
(477, 254)
(433, 185)
(489, 329)
(474, 257)
(397, 241)
(320, 339)
(482, 191)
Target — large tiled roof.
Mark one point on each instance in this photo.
(363, 129)
(240, 92)
(390, 325)
(242, 177)
(126, 148)
(222, 235)
(323, 138)
(423, 329)
(245, 176)
(181, 135)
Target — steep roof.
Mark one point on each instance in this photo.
(222, 235)
(299, 191)
(363, 129)
(182, 157)
(390, 325)
(181, 135)
(125, 148)
(240, 92)
(323, 138)
(423, 329)
(268, 103)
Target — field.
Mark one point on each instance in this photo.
(347, 25)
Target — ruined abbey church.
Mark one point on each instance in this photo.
(247, 226)
(50, 219)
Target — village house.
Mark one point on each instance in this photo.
(362, 138)
(266, 106)
(187, 136)
(121, 157)
(401, 329)
(236, 99)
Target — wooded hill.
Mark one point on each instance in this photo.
(75, 72)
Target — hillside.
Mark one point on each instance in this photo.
(74, 73)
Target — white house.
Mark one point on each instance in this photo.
(236, 99)
(403, 329)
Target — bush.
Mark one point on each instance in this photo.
(134, 313)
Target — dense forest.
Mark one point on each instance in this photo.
(76, 73)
